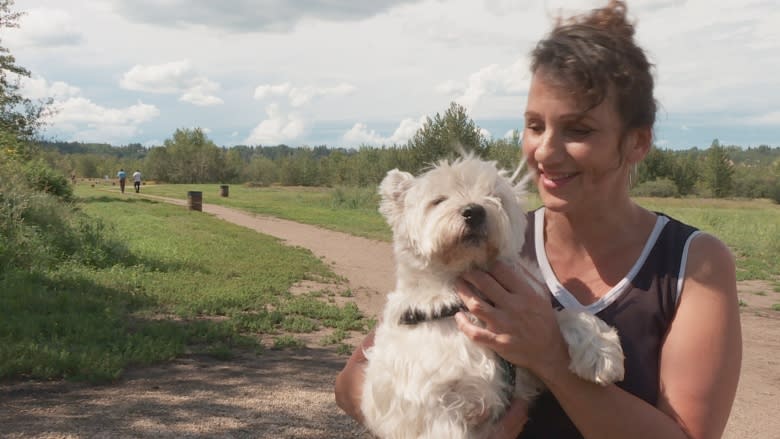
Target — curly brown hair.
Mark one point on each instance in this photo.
(593, 55)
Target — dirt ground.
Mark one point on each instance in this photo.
(288, 394)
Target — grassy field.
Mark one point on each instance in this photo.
(186, 283)
(750, 228)
(345, 210)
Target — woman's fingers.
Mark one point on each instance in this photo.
(486, 284)
(480, 335)
(476, 304)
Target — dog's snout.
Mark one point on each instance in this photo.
(474, 214)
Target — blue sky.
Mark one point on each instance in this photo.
(345, 73)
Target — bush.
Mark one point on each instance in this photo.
(774, 192)
(662, 187)
(44, 179)
(40, 230)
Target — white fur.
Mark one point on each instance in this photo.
(429, 380)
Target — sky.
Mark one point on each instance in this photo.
(346, 73)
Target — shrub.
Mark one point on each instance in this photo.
(662, 187)
(774, 191)
(44, 179)
(40, 230)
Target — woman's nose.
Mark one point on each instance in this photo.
(548, 148)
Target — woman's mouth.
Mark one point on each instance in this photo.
(557, 180)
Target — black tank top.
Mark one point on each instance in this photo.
(641, 307)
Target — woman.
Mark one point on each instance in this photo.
(668, 289)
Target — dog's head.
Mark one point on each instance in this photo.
(457, 215)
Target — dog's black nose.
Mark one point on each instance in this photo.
(474, 214)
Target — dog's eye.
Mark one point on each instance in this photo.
(438, 200)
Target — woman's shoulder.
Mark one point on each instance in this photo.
(709, 257)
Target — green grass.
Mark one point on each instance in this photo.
(749, 228)
(345, 210)
(187, 283)
(180, 282)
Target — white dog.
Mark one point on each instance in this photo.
(424, 377)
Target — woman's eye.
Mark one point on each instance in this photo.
(580, 131)
(534, 127)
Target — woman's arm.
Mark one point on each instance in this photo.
(700, 358)
(349, 382)
(702, 354)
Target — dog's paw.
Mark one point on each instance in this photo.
(594, 347)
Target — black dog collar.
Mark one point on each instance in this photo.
(413, 316)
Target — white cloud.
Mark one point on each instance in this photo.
(490, 81)
(485, 133)
(170, 78)
(279, 127)
(360, 134)
(47, 28)
(36, 87)
(202, 94)
(300, 96)
(81, 119)
(83, 110)
(265, 91)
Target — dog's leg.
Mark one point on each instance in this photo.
(594, 347)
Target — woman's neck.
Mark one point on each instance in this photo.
(590, 252)
(597, 230)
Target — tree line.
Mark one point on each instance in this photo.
(189, 156)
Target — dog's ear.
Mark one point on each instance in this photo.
(393, 191)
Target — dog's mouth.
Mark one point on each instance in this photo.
(473, 238)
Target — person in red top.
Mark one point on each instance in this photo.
(668, 289)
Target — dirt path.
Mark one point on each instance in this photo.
(289, 394)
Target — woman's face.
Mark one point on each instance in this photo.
(576, 155)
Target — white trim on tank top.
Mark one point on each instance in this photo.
(566, 298)
(683, 262)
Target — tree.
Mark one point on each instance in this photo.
(719, 170)
(191, 158)
(507, 152)
(20, 117)
(657, 164)
(442, 136)
(685, 174)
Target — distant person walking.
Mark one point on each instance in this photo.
(122, 178)
(137, 180)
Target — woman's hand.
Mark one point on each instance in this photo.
(520, 325)
(349, 382)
